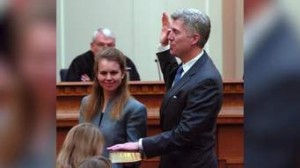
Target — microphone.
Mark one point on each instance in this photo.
(158, 69)
(128, 69)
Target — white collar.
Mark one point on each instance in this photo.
(186, 66)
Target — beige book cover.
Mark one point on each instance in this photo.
(124, 157)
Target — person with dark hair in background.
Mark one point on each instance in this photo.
(81, 68)
(193, 100)
(120, 117)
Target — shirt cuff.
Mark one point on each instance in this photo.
(162, 48)
(140, 144)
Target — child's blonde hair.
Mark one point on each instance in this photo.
(95, 162)
(82, 141)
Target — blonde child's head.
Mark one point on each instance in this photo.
(95, 162)
(82, 141)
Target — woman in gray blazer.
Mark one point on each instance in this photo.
(120, 117)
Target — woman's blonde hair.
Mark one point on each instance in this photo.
(121, 96)
(82, 141)
(95, 162)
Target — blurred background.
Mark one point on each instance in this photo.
(27, 83)
(271, 84)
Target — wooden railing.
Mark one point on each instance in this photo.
(229, 132)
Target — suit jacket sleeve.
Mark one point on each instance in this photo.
(168, 65)
(136, 127)
(74, 72)
(198, 114)
(136, 123)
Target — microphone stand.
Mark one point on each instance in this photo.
(158, 69)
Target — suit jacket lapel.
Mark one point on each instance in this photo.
(185, 78)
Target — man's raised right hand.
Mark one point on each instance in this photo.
(165, 30)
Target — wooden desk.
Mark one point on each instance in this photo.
(229, 133)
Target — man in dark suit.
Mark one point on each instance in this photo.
(190, 107)
(82, 67)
